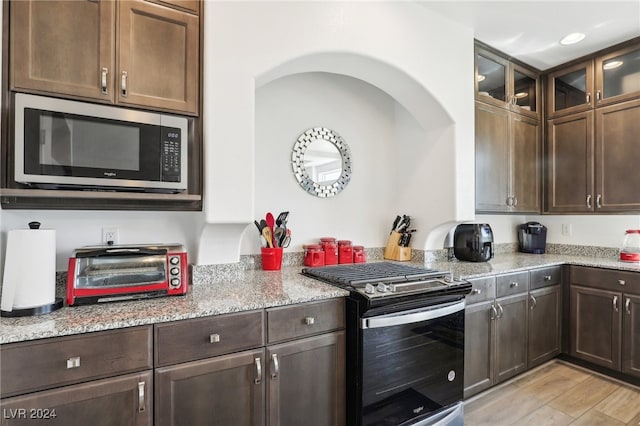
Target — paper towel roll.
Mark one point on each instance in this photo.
(29, 269)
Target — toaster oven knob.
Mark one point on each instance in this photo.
(174, 260)
(369, 289)
(175, 282)
(175, 271)
(382, 288)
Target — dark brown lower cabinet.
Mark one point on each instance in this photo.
(223, 390)
(544, 324)
(510, 337)
(478, 353)
(306, 382)
(117, 401)
(631, 335)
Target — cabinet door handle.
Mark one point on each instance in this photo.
(515, 201)
(258, 378)
(501, 311)
(141, 403)
(123, 84)
(547, 277)
(615, 303)
(598, 95)
(589, 201)
(276, 366)
(214, 338)
(493, 313)
(589, 98)
(534, 302)
(627, 306)
(509, 202)
(103, 80)
(598, 201)
(309, 320)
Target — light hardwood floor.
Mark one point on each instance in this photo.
(556, 394)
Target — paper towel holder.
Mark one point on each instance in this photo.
(15, 277)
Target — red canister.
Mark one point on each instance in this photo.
(313, 255)
(330, 248)
(358, 254)
(345, 251)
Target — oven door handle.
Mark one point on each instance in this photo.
(409, 317)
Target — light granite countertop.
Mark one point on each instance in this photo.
(254, 289)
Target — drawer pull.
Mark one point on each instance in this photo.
(621, 282)
(276, 366)
(258, 378)
(214, 338)
(141, 397)
(309, 320)
(513, 285)
(547, 277)
(73, 362)
(476, 291)
(615, 303)
(627, 306)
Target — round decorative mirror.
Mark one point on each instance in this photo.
(321, 162)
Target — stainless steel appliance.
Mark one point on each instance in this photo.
(68, 144)
(532, 238)
(473, 242)
(112, 273)
(405, 343)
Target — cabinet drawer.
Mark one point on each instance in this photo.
(305, 319)
(545, 277)
(606, 279)
(509, 284)
(42, 364)
(189, 340)
(481, 289)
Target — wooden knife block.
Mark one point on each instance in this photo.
(393, 251)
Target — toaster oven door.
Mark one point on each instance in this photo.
(122, 270)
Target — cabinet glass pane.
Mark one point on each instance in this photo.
(525, 91)
(570, 89)
(491, 78)
(621, 74)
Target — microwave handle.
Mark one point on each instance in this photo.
(109, 252)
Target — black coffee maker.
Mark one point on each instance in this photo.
(473, 242)
(532, 237)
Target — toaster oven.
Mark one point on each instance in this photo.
(99, 274)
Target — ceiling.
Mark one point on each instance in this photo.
(530, 30)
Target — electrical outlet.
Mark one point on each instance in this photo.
(110, 236)
(566, 229)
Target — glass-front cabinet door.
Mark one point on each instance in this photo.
(502, 83)
(618, 76)
(569, 89)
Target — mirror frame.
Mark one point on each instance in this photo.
(301, 174)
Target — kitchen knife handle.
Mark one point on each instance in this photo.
(258, 378)
(123, 83)
(103, 80)
(276, 366)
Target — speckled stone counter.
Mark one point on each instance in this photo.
(244, 290)
(255, 289)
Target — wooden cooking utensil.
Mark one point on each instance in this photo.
(266, 233)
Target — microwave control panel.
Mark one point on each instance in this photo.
(171, 140)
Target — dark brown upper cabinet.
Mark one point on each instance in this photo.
(595, 82)
(506, 84)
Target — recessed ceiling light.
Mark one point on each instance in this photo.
(572, 38)
(480, 77)
(521, 95)
(612, 64)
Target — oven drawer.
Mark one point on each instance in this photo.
(189, 340)
(481, 289)
(545, 277)
(305, 319)
(46, 363)
(510, 284)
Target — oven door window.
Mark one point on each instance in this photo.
(64, 144)
(411, 367)
(120, 271)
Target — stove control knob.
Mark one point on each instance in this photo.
(369, 289)
(382, 288)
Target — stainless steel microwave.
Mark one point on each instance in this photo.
(69, 144)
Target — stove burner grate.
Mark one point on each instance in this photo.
(359, 274)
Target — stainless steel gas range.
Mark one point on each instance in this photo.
(405, 343)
